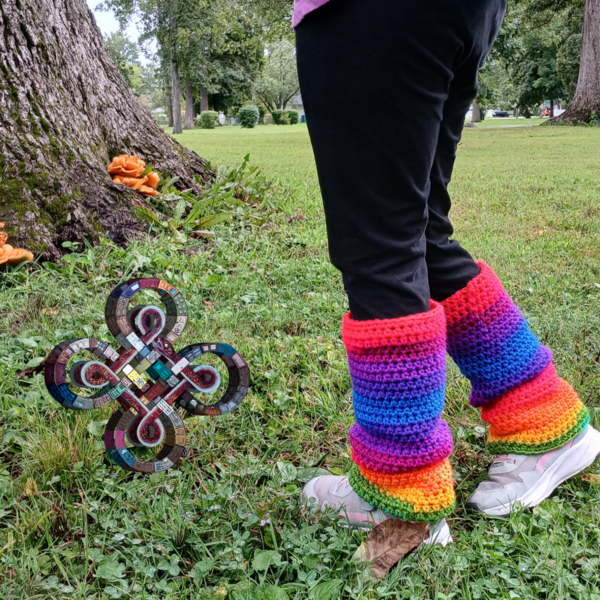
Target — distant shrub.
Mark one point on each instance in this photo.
(268, 120)
(208, 119)
(292, 116)
(248, 116)
(277, 114)
(284, 119)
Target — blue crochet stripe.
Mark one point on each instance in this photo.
(398, 411)
(510, 356)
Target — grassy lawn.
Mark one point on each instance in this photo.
(226, 522)
(511, 122)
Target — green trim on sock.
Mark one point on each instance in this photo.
(500, 447)
(379, 499)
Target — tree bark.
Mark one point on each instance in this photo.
(476, 118)
(587, 93)
(175, 82)
(65, 112)
(551, 108)
(189, 106)
(203, 100)
(169, 98)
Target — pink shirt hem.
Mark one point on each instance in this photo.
(303, 7)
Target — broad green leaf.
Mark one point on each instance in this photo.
(288, 471)
(146, 171)
(211, 220)
(146, 214)
(263, 559)
(197, 209)
(97, 427)
(273, 592)
(305, 474)
(180, 209)
(328, 590)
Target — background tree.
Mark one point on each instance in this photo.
(67, 112)
(567, 56)
(278, 82)
(209, 48)
(126, 55)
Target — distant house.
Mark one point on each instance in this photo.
(296, 104)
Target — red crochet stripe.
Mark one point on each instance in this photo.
(403, 331)
(476, 297)
(538, 391)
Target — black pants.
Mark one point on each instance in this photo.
(386, 85)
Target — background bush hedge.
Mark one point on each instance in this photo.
(248, 116)
(292, 116)
(208, 119)
(277, 114)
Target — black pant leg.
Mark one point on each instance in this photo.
(374, 78)
(450, 267)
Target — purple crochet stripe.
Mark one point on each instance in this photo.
(408, 388)
(484, 391)
(467, 335)
(399, 354)
(385, 372)
(411, 432)
(389, 457)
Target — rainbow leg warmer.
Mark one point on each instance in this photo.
(530, 410)
(400, 445)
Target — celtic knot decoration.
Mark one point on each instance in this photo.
(146, 376)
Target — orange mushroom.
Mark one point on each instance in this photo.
(127, 170)
(9, 255)
(132, 182)
(126, 166)
(148, 191)
(153, 179)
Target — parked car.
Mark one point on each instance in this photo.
(545, 113)
(500, 113)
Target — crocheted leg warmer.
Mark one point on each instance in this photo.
(530, 410)
(399, 443)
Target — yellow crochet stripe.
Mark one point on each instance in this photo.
(430, 489)
(543, 433)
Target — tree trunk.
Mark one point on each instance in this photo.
(175, 82)
(203, 100)
(189, 106)
(551, 108)
(476, 118)
(65, 112)
(169, 98)
(587, 93)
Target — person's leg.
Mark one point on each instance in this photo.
(374, 78)
(533, 414)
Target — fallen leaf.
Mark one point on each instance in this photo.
(31, 488)
(389, 543)
(50, 311)
(31, 371)
(591, 478)
(207, 304)
(299, 216)
(201, 233)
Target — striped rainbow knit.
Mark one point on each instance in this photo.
(529, 408)
(399, 443)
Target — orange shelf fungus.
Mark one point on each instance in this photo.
(127, 170)
(9, 255)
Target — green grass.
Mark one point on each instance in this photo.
(511, 122)
(525, 200)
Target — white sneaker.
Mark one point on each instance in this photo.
(335, 492)
(526, 480)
